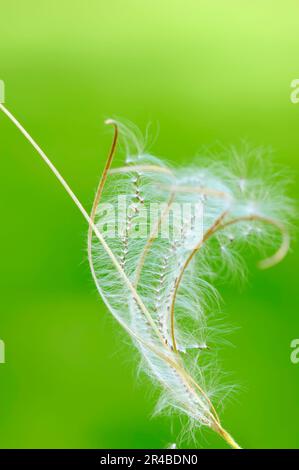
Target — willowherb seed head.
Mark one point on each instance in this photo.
(158, 237)
(172, 275)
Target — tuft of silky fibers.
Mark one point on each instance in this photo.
(157, 274)
(168, 312)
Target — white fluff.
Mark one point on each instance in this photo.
(248, 212)
(160, 289)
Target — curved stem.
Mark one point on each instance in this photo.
(285, 243)
(98, 195)
(219, 225)
(129, 168)
(208, 233)
(199, 190)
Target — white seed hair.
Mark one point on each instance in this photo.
(161, 290)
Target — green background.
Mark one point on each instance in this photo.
(208, 72)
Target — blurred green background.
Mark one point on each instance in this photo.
(207, 72)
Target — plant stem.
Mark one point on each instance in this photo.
(85, 214)
(226, 436)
